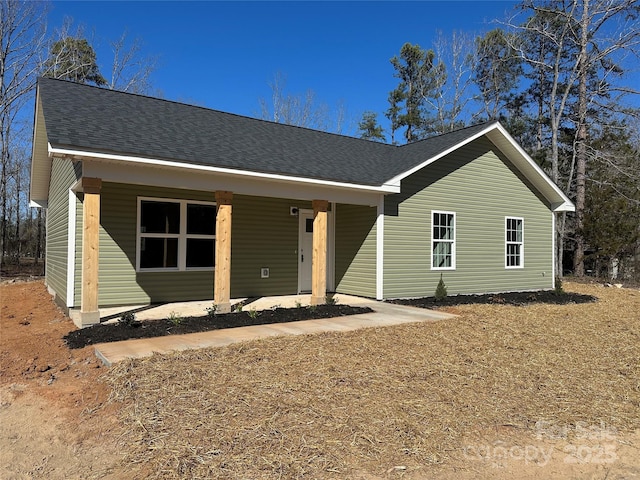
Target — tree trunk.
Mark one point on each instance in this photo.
(581, 143)
(17, 247)
(4, 224)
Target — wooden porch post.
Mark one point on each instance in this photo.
(89, 313)
(319, 259)
(222, 280)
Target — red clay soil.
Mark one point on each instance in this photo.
(48, 392)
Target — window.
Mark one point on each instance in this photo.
(443, 240)
(514, 242)
(175, 234)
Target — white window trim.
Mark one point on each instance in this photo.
(506, 243)
(182, 236)
(71, 250)
(453, 242)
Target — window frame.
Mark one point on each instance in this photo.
(507, 242)
(182, 235)
(452, 241)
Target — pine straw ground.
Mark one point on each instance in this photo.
(343, 405)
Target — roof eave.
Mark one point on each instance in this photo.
(65, 151)
(398, 178)
(563, 207)
(557, 199)
(40, 170)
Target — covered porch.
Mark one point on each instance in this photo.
(301, 235)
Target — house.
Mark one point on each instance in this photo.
(150, 201)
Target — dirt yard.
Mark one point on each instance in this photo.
(417, 401)
(52, 406)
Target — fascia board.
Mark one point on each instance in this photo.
(563, 207)
(398, 178)
(565, 203)
(539, 179)
(79, 154)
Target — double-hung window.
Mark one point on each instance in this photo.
(443, 240)
(175, 234)
(514, 242)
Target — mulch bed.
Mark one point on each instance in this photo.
(156, 328)
(178, 326)
(511, 298)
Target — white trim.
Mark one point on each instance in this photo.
(138, 174)
(453, 241)
(182, 235)
(398, 178)
(380, 250)
(71, 250)
(506, 243)
(553, 250)
(80, 154)
(38, 203)
(564, 204)
(331, 249)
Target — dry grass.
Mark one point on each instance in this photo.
(337, 405)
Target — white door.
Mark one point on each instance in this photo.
(305, 250)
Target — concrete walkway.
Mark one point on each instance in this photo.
(384, 314)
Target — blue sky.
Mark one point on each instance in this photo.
(223, 54)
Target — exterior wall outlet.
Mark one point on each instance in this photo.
(264, 272)
(293, 211)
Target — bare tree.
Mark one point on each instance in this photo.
(450, 99)
(72, 57)
(554, 61)
(22, 41)
(130, 70)
(578, 45)
(497, 70)
(300, 110)
(597, 53)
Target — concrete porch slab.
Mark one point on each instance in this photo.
(198, 308)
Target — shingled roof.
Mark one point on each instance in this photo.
(97, 120)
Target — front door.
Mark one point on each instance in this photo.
(305, 250)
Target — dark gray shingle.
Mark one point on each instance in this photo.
(98, 120)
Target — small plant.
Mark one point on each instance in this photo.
(298, 304)
(175, 318)
(238, 308)
(497, 299)
(441, 290)
(312, 308)
(331, 300)
(558, 289)
(127, 319)
(212, 310)
(276, 306)
(253, 313)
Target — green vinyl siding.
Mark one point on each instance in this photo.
(478, 184)
(263, 233)
(355, 257)
(63, 176)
